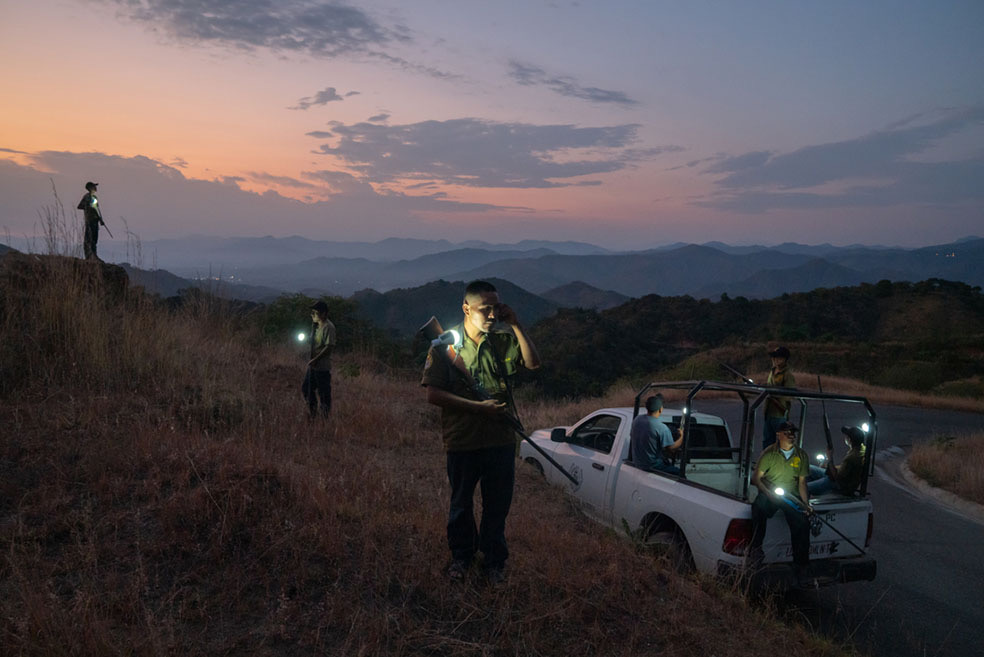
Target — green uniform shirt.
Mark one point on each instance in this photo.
(323, 336)
(90, 208)
(850, 472)
(464, 431)
(779, 406)
(783, 472)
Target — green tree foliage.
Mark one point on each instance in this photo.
(908, 335)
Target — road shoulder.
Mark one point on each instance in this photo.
(966, 508)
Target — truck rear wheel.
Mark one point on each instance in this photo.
(673, 547)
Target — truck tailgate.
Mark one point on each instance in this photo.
(847, 516)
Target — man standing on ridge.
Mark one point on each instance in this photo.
(317, 380)
(479, 439)
(777, 408)
(93, 217)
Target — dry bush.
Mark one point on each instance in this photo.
(952, 463)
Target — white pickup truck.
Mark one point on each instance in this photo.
(703, 516)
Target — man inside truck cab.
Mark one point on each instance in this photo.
(650, 438)
(783, 465)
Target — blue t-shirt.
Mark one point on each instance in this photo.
(646, 439)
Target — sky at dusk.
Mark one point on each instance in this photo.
(628, 124)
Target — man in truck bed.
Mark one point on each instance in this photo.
(783, 465)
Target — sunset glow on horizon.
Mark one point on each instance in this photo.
(625, 124)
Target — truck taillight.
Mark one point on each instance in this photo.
(738, 536)
(871, 527)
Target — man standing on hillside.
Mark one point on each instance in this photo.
(783, 465)
(650, 437)
(472, 388)
(317, 380)
(93, 217)
(777, 408)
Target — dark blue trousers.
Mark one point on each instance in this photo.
(764, 508)
(769, 427)
(317, 388)
(494, 468)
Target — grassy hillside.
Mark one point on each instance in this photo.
(922, 336)
(163, 492)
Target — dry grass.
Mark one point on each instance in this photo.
(875, 394)
(162, 491)
(952, 463)
(882, 395)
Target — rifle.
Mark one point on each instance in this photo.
(95, 204)
(435, 335)
(819, 517)
(741, 377)
(826, 422)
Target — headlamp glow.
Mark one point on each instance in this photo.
(865, 427)
(780, 492)
(821, 458)
(301, 337)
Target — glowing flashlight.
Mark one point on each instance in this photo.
(685, 410)
(780, 492)
(865, 427)
(821, 458)
(449, 338)
(300, 337)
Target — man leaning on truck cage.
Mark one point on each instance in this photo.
(479, 439)
(650, 439)
(777, 408)
(783, 465)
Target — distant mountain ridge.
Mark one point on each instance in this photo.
(295, 264)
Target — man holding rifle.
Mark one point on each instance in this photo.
(479, 438)
(783, 465)
(777, 408)
(93, 219)
(846, 477)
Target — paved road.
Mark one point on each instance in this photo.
(928, 597)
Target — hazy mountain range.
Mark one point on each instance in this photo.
(566, 274)
(696, 270)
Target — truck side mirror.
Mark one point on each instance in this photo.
(558, 434)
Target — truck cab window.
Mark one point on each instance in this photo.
(597, 433)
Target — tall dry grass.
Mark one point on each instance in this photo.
(162, 491)
(953, 463)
